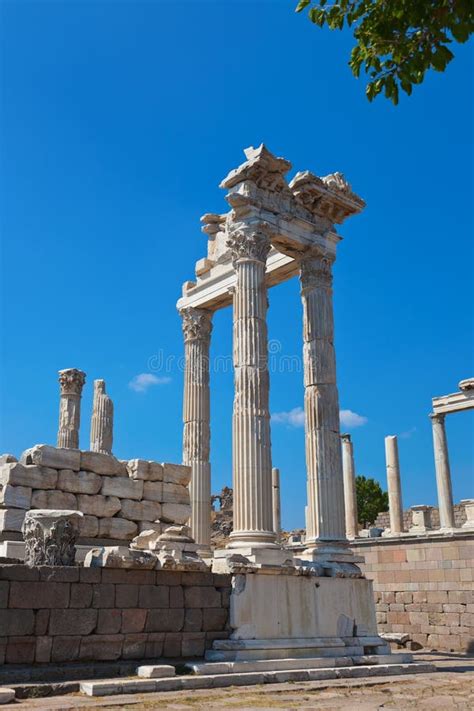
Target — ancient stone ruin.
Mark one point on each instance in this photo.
(120, 561)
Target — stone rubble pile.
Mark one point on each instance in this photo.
(119, 499)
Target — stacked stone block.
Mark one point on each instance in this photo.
(383, 519)
(98, 614)
(119, 499)
(424, 588)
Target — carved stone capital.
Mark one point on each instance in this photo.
(50, 536)
(253, 245)
(71, 381)
(437, 417)
(345, 437)
(316, 270)
(197, 324)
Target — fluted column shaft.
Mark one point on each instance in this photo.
(350, 494)
(443, 472)
(395, 504)
(252, 464)
(326, 517)
(102, 421)
(71, 382)
(197, 328)
(276, 502)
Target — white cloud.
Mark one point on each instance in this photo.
(142, 382)
(295, 418)
(408, 433)
(351, 419)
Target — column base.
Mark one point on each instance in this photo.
(274, 556)
(331, 558)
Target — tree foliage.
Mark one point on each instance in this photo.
(371, 500)
(397, 41)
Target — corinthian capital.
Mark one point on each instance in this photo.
(249, 244)
(316, 270)
(71, 381)
(197, 323)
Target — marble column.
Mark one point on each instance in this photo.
(325, 485)
(197, 327)
(276, 502)
(71, 381)
(350, 495)
(102, 421)
(252, 462)
(395, 504)
(443, 472)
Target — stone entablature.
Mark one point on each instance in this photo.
(119, 499)
(62, 615)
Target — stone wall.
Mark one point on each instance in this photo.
(424, 587)
(383, 519)
(79, 614)
(119, 499)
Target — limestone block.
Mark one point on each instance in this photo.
(140, 510)
(15, 497)
(89, 527)
(156, 527)
(175, 513)
(156, 672)
(176, 474)
(123, 487)
(138, 469)
(105, 464)
(8, 695)
(11, 519)
(155, 471)
(153, 491)
(81, 482)
(117, 528)
(53, 500)
(7, 459)
(30, 476)
(175, 494)
(55, 457)
(101, 506)
(119, 557)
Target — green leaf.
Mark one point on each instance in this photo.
(302, 4)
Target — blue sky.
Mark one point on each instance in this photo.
(118, 121)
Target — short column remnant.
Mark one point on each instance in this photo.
(71, 381)
(276, 502)
(394, 485)
(350, 495)
(443, 472)
(50, 536)
(421, 519)
(102, 421)
(197, 327)
(252, 464)
(469, 509)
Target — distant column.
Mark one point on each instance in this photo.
(350, 496)
(443, 472)
(394, 485)
(276, 502)
(71, 381)
(197, 327)
(102, 421)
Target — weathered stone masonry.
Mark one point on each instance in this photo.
(424, 587)
(92, 614)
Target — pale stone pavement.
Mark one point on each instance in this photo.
(451, 688)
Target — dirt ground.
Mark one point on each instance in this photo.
(450, 688)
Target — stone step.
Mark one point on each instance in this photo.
(246, 655)
(260, 665)
(6, 695)
(182, 683)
